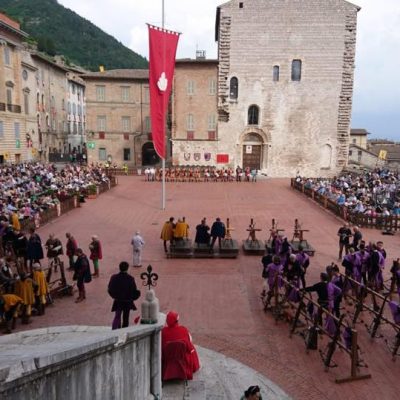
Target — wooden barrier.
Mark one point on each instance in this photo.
(376, 310)
(389, 223)
(63, 207)
(278, 302)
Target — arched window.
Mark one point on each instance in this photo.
(275, 73)
(296, 70)
(326, 156)
(252, 116)
(234, 88)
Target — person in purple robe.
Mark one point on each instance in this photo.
(274, 273)
(304, 260)
(364, 259)
(276, 244)
(376, 265)
(334, 292)
(349, 263)
(286, 250)
(292, 272)
(395, 271)
(382, 251)
(337, 280)
(274, 270)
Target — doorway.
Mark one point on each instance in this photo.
(149, 155)
(252, 156)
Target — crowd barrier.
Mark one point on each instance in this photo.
(389, 223)
(65, 205)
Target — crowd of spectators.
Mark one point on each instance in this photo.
(370, 193)
(26, 189)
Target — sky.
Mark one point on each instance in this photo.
(376, 102)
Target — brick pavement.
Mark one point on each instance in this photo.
(219, 299)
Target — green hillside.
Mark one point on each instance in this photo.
(58, 30)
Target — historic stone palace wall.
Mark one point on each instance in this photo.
(287, 109)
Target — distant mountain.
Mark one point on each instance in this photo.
(58, 30)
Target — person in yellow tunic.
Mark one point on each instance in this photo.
(167, 232)
(181, 229)
(24, 289)
(42, 288)
(15, 222)
(9, 308)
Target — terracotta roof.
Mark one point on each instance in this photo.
(48, 59)
(359, 132)
(393, 150)
(118, 74)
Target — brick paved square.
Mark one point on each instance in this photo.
(219, 299)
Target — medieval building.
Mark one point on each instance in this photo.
(284, 91)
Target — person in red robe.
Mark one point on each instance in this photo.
(171, 335)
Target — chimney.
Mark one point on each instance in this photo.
(200, 54)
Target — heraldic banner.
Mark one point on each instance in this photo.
(162, 52)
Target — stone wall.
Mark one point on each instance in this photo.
(304, 124)
(114, 108)
(81, 362)
(201, 104)
(363, 158)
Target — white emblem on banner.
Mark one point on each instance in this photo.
(162, 82)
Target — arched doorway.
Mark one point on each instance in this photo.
(149, 155)
(252, 151)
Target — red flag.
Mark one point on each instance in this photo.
(162, 46)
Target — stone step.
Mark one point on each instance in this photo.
(177, 390)
(173, 390)
(195, 390)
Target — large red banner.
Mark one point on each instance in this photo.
(162, 52)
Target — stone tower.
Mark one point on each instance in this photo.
(285, 84)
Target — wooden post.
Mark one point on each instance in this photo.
(378, 318)
(354, 362)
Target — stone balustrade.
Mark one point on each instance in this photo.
(82, 362)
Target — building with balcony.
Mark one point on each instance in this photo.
(118, 117)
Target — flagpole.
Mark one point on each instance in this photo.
(163, 160)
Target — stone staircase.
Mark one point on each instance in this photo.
(220, 378)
